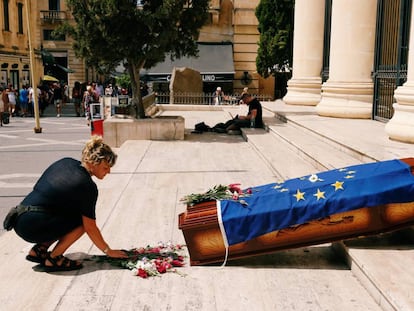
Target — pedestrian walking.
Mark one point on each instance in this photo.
(77, 97)
(23, 100)
(12, 101)
(57, 98)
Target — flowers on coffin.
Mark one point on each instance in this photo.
(237, 193)
(219, 192)
(314, 178)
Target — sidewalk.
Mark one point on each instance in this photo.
(139, 204)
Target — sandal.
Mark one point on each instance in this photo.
(61, 263)
(41, 254)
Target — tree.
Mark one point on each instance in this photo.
(276, 35)
(138, 33)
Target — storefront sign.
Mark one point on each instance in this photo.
(205, 77)
(208, 78)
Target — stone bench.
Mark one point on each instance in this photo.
(150, 108)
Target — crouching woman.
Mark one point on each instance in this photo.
(61, 208)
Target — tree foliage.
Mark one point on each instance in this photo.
(276, 35)
(138, 33)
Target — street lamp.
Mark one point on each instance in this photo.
(37, 128)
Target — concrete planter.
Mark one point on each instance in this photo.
(118, 130)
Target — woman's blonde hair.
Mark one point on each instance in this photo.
(95, 151)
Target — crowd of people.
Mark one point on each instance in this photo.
(20, 102)
(15, 102)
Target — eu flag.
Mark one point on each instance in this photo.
(296, 201)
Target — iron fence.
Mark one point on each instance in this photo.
(202, 98)
(391, 54)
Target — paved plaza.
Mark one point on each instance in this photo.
(139, 204)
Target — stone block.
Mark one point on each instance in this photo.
(118, 130)
(186, 80)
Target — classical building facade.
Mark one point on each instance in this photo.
(51, 55)
(14, 54)
(231, 30)
(228, 49)
(235, 22)
(351, 59)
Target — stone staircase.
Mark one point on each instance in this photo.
(300, 144)
(68, 110)
(319, 151)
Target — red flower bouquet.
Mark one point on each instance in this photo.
(151, 261)
(219, 192)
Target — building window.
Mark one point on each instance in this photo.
(48, 36)
(54, 5)
(3, 78)
(6, 15)
(25, 77)
(20, 17)
(14, 78)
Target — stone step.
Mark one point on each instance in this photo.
(284, 161)
(384, 266)
(324, 153)
(68, 110)
(293, 152)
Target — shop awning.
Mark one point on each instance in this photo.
(214, 59)
(65, 69)
(48, 59)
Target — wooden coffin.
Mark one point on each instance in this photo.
(199, 224)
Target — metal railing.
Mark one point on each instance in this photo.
(52, 16)
(202, 98)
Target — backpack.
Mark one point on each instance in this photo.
(6, 117)
(202, 127)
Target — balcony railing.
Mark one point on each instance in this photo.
(52, 16)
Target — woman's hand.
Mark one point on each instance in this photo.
(116, 253)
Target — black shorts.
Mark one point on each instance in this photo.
(38, 227)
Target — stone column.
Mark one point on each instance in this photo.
(305, 86)
(401, 125)
(348, 93)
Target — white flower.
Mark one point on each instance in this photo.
(313, 178)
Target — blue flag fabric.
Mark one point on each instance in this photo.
(296, 201)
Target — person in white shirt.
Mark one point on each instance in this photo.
(12, 101)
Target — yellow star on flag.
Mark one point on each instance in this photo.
(320, 195)
(299, 195)
(338, 185)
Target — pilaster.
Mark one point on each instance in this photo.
(305, 86)
(348, 93)
(401, 125)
